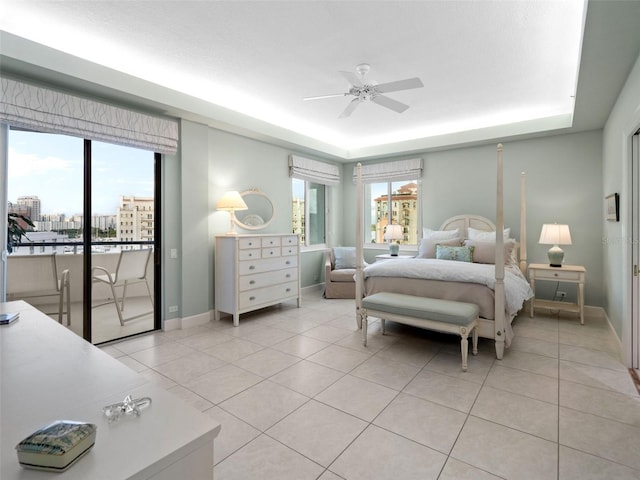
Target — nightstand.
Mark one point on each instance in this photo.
(388, 256)
(566, 274)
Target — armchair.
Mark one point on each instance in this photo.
(339, 272)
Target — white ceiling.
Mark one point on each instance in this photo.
(491, 69)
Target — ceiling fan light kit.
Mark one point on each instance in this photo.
(365, 92)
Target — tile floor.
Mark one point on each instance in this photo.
(299, 397)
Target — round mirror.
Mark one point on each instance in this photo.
(260, 212)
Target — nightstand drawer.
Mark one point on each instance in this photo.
(560, 275)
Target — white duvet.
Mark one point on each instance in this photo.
(517, 289)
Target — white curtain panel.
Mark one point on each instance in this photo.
(313, 170)
(41, 109)
(391, 171)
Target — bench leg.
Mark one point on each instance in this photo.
(464, 346)
(382, 326)
(365, 324)
(474, 339)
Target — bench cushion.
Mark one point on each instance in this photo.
(457, 313)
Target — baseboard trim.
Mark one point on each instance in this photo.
(192, 321)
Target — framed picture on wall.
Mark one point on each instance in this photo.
(613, 207)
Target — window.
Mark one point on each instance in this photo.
(309, 211)
(391, 202)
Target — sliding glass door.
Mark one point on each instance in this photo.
(82, 206)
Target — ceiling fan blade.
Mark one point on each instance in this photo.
(326, 96)
(350, 108)
(352, 78)
(394, 105)
(400, 85)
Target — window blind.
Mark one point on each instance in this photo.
(313, 170)
(391, 171)
(42, 109)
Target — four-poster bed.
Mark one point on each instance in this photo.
(498, 286)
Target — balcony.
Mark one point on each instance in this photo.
(105, 323)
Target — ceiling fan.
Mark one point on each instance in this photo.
(364, 92)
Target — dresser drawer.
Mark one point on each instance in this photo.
(266, 279)
(249, 254)
(249, 242)
(289, 250)
(250, 267)
(264, 295)
(270, 242)
(559, 276)
(271, 252)
(289, 240)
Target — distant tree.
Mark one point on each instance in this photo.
(15, 231)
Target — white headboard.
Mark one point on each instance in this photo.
(463, 222)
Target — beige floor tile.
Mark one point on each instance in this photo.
(536, 332)
(586, 340)
(190, 397)
(233, 350)
(205, 340)
(162, 353)
(307, 378)
(391, 374)
(328, 475)
(267, 362)
(339, 358)
(317, 431)
(575, 465)
(233, 435)
(457, 470)
(264, 404)
(222, 383)
(594, 358)
(327, 333)
(604, 403)
(444, 390)
(382, 455)
(132, 363)
(157, 379)
(358, 397)
(294, 325)
(189, 367)
(450, 363)
(530, 362)
(518, 412)
(417, 352)
(301, 346)
(375, 341)
(524, 383)
(266, 459)
(618, 381)
(534, 345)
(268, 336)
(425, 422)
(140, 343)
(506, 452)
(614, 441)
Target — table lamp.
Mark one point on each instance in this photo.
(393, 232)
(230, 202)
(554, 234)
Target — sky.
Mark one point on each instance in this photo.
(51, 167)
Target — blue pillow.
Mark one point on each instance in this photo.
(460, 254)
(345, 257)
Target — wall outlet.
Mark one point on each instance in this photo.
(561, 294)
(173, 308)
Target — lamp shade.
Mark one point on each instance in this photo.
(393, 232)
(554, 234)
(231, 201)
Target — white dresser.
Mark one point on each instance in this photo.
(255, 271)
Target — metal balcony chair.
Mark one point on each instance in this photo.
(131, 269)
(36, 276)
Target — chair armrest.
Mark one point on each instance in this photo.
(327, 266)
(104, 270)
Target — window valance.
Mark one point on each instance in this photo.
(313, 170)
(391, 171)
(41, 109)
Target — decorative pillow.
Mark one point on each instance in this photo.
(428, 246)
(345, 257)
(460, 254)
(482, 236)
(440, 234)
(485, 252)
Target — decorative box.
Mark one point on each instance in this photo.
(57, 446)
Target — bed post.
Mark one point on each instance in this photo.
(523, 225)
(499, 320)
(359, 255)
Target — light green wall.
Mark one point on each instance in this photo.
(617, 239)
(563, 185)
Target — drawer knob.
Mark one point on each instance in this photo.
(252, 267)
(288, 275)
(252, 298)
(288, 262)
(288, 290)
(252, 282)
(555, 274)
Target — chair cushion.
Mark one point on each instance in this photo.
(344, 275)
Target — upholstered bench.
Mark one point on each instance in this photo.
(429, 313)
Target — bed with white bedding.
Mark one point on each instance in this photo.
(494, 280)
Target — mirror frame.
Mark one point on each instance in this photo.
(255, 191)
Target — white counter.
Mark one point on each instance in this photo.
(48, 373)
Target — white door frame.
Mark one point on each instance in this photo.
(633, 342)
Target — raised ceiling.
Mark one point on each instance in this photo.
(491, 69)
